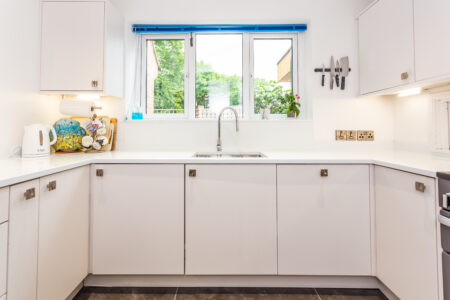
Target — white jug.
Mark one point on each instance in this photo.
(36, 141)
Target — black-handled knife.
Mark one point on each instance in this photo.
(323, 75)
(338, 73)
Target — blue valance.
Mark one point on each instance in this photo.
(165, 28)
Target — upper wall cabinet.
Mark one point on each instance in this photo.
(386, 45)
(432, 39)
(82, 48)
(404, 42)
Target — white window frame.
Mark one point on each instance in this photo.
(294, 63)
(187, 50)
(247, 72)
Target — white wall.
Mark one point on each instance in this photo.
(20, 102)
(332, 30)
(413, 123)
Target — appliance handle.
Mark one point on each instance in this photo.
(444, 220)
(445, 200)
(53, 134)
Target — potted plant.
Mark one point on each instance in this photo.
(292, 106)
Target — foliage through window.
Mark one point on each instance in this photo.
(196, 76)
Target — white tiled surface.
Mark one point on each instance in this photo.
(15, 170)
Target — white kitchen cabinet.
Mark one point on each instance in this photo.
(431, 38)
(23, 241)
(323, 221)
(137, 219)
(4, 204)
(406, 234)
(231, 220)
(82, 47)
(3, 256)
(386, 45)
(63, 233)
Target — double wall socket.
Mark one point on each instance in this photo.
(355, 135)
(366, 135)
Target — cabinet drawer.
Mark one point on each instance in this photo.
(3, 256)
(4, 204)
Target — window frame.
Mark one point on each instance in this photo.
(247, 72)
(143, 92)
(294, 66)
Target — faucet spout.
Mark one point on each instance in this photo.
(219, 140)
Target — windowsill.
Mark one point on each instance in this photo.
(215, 121)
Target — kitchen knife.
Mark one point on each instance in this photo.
(331, 72)
(338, 73)
(345, 68)
(323, 75)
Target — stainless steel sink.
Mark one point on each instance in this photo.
(229, 155)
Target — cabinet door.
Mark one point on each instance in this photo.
(72, 46)
(23, 241)
(323, 221)
(406, 234)
(431, 37)
(386, 48)
(138, 219)
(231, 219)
(3, 256)
(4, 204)
(63, 233)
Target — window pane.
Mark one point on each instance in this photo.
(272, 74)
(218, 78)
(165, 77)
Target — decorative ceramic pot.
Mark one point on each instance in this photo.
(70, 134)
(292, 115)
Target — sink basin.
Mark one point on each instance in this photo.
(229, 155)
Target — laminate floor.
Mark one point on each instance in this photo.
(217, 293)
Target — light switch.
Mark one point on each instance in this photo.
(341, 135)
(351, 135)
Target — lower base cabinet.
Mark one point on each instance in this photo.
(23, 241)
(324, 220)
(406, 234)
(231, 220)
(63, 233)
(137, 219)
(3, 256)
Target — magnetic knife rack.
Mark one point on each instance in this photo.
(322, 70)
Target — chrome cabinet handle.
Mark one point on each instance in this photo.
(99, 172)
(51, 185)
(192, 173)
(404, 75)
(94, 83)
(324, 173)
(420, 187)
(30, 194)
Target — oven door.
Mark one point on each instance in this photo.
(445, 241)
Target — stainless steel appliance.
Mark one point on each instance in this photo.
(444, 219)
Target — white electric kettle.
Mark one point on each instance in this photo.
(36, 141)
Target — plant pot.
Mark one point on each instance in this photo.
(292, 115)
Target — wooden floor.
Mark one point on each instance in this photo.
(101, 293)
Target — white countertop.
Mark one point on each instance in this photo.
(15, 170)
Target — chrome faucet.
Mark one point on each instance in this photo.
(219, 141)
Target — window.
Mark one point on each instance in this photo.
(164, 91)
(273, 72)
(218, 74)
(194, 76)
